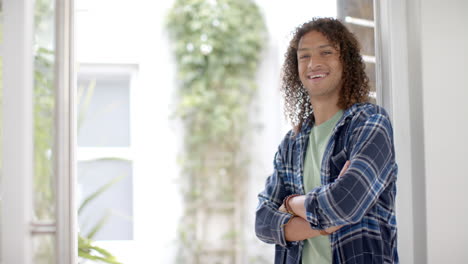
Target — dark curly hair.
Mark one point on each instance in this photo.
(355, 81)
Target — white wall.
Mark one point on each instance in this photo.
(444, 50)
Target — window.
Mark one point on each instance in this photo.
(358, 16)
(105, 150)
(36, 117)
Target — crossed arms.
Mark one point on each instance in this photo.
(342, 202)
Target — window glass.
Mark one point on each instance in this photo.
(104, 112)
(104, 154)
(370, 71)
(43, 100)
(113, 207)
(43, 249)
(43, 107)
(358, 16)
(356, 8)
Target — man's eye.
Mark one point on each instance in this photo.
(304, 57)
(327, 52)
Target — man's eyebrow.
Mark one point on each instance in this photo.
(326, 46)
(319, 47)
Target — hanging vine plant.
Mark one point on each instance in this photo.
(217, 45)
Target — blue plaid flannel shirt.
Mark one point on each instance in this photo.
(363, 199)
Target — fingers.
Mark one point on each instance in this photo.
(332, 229)
(345, 168)
(282, 209)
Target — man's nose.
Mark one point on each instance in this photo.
(314, 62)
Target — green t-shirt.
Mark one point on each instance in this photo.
(317, 250)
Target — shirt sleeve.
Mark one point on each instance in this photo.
(372, 168)
(269, 222)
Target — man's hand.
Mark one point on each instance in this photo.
(345, 168)
(282, 209)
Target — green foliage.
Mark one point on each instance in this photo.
(98, 192)
(44, 107)
(43, 134)
(85, 96)
(86, 248)
(217, 45)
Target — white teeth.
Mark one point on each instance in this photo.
(317, 76)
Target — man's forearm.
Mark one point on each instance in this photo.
(297, 206)
(299, 229)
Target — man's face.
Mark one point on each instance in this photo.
(319, 65)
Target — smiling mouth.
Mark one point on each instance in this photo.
(317, 76)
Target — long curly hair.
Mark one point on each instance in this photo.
(355, 81)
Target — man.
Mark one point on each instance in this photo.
(331, 198)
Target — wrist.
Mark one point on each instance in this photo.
(296, 204)
(287, 205)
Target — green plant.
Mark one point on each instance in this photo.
(91, 252)
(43, 133)
(217, 45)
(86, 248)
(44, 107)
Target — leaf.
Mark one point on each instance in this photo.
(99, 192)
(99, 225)
(85, 103)
(97, 258)
(88, 251)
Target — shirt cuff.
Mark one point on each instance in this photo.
(285, 218)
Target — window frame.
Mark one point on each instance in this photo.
(66, 240)
(398, 39)
(17, 132)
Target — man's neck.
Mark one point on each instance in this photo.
(324, 111)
